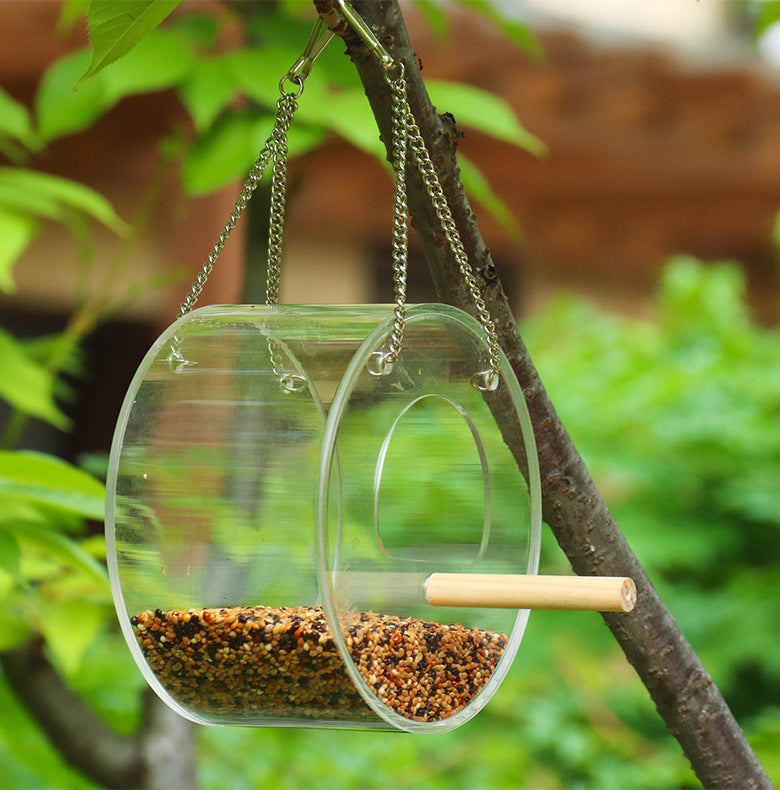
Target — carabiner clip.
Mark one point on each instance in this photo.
(365, 32)
(320, 37)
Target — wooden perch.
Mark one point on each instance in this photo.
(505, 591)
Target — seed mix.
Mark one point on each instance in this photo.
(271, 659)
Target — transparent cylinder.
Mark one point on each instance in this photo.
(276, 504)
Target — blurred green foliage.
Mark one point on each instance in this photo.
(231, 94)
(677, 417)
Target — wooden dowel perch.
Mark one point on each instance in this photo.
(504, 591)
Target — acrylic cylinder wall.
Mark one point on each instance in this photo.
(274, 508)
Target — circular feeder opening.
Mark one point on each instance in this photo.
(455, 478)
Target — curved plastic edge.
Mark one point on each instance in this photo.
(110, 524)
(335, 415)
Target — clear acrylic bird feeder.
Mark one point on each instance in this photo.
(313, 517)
(271, 542)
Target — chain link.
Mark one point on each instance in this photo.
(285, 110)
(290, 382)
(278, 204)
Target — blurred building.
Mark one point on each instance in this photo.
(663, 128)
(657, 146)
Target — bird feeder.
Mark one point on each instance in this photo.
(276, 510)
(313, 517)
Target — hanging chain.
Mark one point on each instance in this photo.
(405, 125)
(290, 382)
(383, 361)
(275, 149)
(285, 109)
(278, 204)
(407, 137)
(487, 379)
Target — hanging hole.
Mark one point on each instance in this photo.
(380, 363)
(176, 360)
(485, 381)
(292, 383)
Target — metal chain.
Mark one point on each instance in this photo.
(383, 361)
(487, 379)
(406, 134)
(290, 382)
(285, 109)
(278, 203)
(275, 149)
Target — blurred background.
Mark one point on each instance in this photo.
(627, 181)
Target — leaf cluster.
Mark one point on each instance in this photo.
(230, 93)
(678, 419)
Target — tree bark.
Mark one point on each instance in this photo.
(159, 756)
(684, 694)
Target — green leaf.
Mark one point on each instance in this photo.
(15, 122)
(437, 16)
(767, 14)
(9, 553)
(16, 233)
(202, 29)
(95, 546)
(208, 91)
(58, 109)
(485, 112)
(162, 60)
(71, 12)
(7, 583)
(69, 628)
(221, 155)
(27, 385)
(14, 627)
(347, 113)
(62, 548)
(115, 28)
(53, 197)
(478, 187)
(227, 151)
(13, 509)
(48, 480)
(517, 32)
(257, 71)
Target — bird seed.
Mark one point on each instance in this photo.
(273, 661)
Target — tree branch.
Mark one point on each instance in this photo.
(90, 746)
(682, 690)
(158, 756)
